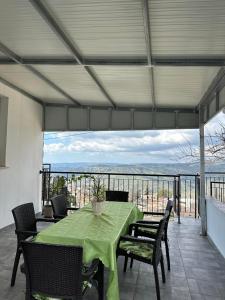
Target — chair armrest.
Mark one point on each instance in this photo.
(154, 213)
(59, 217)
(135, 226)
(91, 271)
(26, 232)
(47, 220)
(135, 239)
(72, 208)
(148, 222)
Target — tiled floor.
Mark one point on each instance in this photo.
(197, 269)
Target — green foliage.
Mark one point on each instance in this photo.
(97, 188)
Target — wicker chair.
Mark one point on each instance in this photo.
(57, 271)
(119, 196)
(149, 229)
(60, 207)
(26, 226)
(144, 250)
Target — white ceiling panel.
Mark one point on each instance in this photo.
(182, 87)
(24, 31)
(75, 81)
(24, 79)
(103, 28)
(187, 27)
(128, 86)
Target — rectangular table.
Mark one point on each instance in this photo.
(98, 235)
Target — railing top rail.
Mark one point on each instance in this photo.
(218, 173)
(219, 182)
(109, 173)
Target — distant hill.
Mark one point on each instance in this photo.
(153, 168)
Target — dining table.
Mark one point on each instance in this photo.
(98, 235)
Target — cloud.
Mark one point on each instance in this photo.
(112, 142)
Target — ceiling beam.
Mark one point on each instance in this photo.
(43, 11)
(113, 61)
(125, 108)
(70, 45)
(217, 84)
(147, 31)
(22, 91)
(18, 60)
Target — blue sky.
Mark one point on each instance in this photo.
(151, 146)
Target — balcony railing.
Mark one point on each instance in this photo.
(149, 191)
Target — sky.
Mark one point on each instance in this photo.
(125, 147)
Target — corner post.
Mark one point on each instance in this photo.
(203, 213)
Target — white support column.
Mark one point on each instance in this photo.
(202, 176)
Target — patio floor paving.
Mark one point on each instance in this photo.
(197, 269)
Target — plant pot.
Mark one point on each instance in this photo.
(97, 207)
(47, 211)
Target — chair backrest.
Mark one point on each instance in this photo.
(59, 206)
(53, 270)
(24, 217)
(168, 210)
(160, 231)
(169, 205)
(119, 196)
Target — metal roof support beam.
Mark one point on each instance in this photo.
(61, 34)
(18, 89)
(52, 84)
(98, 83)
(123, 61)
(215, 87)
(147, 30)
(18, 60)
(65, 117)
(43, 11)
(203, 213)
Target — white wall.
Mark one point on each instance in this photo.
(216, 223)
(20, 180)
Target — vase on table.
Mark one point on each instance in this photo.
(97, 207)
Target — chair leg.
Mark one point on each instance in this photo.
(167, 254)
(131, 262)
(162, 270)
(125, 264)
(15, 266)
(156, 282)
(100, 279)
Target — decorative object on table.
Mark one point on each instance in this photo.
(47, 211)
(97, 191)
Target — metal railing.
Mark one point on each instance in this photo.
(150, 192)
(217, 190)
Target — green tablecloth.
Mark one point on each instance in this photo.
(98, 235)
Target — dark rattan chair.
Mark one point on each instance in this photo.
(149, 229)
(144, 250)
(57, 271)
(26, 226)
(119, 196)
(60, 206)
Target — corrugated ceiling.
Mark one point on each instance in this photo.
(23, 78)
(115, 29)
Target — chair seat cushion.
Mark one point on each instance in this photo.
(143, 250)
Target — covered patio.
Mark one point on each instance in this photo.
(118, 65)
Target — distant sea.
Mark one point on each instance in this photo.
(149, 168)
